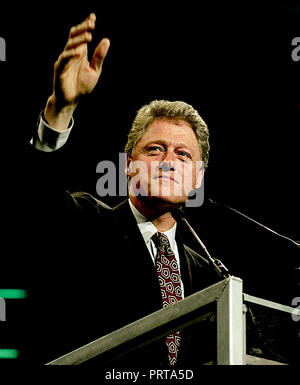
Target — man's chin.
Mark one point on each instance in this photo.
(167, 201)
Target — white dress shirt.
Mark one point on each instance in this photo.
(48, 139)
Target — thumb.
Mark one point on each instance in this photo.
(99, 54)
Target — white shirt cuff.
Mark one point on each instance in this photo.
(49, 139)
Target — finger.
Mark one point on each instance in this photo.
(64, 58)
(100, 54)
(87, 25)
(83, 38)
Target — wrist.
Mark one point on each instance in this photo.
(58, 115)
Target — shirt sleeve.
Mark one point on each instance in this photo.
(48, 139)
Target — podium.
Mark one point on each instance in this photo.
(230, 307)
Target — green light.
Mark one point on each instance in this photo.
(13, 293)
(9, 353)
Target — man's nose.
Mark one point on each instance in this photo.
(168, 161)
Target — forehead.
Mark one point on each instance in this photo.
(169, 131)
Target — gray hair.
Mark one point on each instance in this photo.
(164, 109)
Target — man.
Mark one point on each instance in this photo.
(104, 276)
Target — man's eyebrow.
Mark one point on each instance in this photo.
(163, 142)
(158, 141)
(184, 145)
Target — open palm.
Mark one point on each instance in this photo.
(74, 75)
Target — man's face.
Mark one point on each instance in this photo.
(166, 163)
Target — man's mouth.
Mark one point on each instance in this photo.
(166, 177)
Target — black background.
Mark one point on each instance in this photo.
(231, 61)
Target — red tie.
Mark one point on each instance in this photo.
(169, 281)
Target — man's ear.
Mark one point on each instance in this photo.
(200, 176)
(128, 165)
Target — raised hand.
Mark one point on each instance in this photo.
(74, 75)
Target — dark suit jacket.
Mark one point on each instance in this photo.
(88, 272)
(95, 275)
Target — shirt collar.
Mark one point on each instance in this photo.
(148, 229)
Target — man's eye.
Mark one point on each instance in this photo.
(184, 154)
(155, 148)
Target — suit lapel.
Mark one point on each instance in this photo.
(131, 233)
(185, 270)
(137, 253)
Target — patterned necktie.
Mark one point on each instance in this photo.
(169, 281)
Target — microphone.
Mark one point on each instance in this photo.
(178, 214)
(296, 243)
